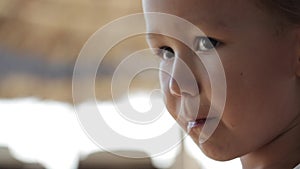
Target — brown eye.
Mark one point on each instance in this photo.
(207, 43)
(166, 52)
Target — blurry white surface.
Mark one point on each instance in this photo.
(48, 132)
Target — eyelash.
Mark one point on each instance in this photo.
(211, 44)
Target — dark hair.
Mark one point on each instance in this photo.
(288, 11)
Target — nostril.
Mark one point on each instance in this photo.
(174, 88)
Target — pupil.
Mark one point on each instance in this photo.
(168, 52)
(208, 43)
(213, 41)
(168, 49)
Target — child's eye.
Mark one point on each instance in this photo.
(166, 52)
(206, 43)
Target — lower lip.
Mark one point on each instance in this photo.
(197, 123)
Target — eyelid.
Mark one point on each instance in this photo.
(167, 48)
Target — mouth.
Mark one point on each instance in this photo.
(196, 123)
(195, 128)
(199, 121)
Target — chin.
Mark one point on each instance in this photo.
(216, 153)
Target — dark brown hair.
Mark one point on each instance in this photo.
(287, 11)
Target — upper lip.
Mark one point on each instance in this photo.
(202, 113)
(191, 105)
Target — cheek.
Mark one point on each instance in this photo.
(260, 94)
(257, 74)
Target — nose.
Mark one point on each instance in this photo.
(174, 88)
(182, 81)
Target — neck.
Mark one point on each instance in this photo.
(282, 152)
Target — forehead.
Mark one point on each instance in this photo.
(222, 14)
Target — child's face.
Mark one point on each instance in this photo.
(260, 72)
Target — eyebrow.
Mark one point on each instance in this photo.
(220, 29)
(219, 36)
(215, 23)
(150, 36)
(154, 36)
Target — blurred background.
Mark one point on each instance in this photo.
(41, 39)
(39, 43)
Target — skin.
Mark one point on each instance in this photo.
(261, 119)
